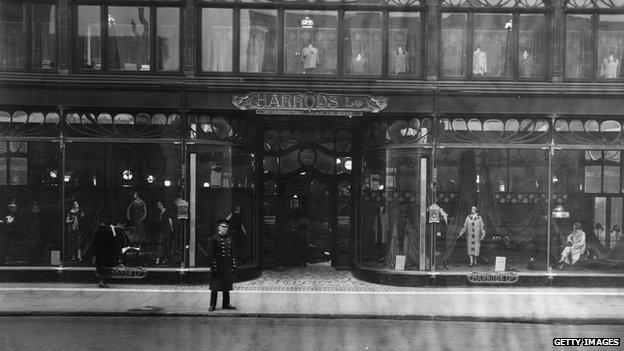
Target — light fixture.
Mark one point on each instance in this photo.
(206, 185)
(560, 212)
(53, 174)
(127, 174)
(167, 183)
(151, 179)
(67, 178)
(338, 161)
(501, 186)
(307, 22)
(94, 179)
(555, 179)
(381, 187)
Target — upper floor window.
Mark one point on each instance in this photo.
(594, 43)
(494, 39)
(351, 40)
(128, 38)
(311, 42)
(27, 35)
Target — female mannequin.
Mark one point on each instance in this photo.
(400, 61)
(475, 228)
(136, 213)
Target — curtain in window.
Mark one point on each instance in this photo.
(217, 40)
(254, 45)
(365, 51)
(12, 36)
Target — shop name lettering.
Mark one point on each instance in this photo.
(493, 278)
(127, 272)
(308, 102)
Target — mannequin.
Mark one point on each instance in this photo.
(73, 231)
(609, 67)
(358, 64)
(310, 58)
(479, 62)
(400, 61)
(136, 213)
(526, 64)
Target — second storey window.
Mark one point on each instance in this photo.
(502, 40)
(128, 38)
(27, 35)
(311, 42)
(258, 41)
(594, 40)
(217, 39)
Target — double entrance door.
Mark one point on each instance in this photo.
(306, 221)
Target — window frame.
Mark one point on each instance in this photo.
(27, 8)
(595, 13)
(516, 13)
(104, 6)
(340, 10)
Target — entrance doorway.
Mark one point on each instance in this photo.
(305, 227)
(307, 185)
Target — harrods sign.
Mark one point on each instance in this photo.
(309, 103)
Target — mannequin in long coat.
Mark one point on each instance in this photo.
(475, 231)
(221, 248)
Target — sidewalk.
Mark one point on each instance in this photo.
(312, 296)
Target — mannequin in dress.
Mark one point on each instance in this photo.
(479, 62)
(526, 64)
(610, 67)
(74, 216)
(358, 64)
(136, 213)
(400, 61)
(310, 56)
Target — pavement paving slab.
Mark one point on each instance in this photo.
(314, 294)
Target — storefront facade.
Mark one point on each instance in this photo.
(328, 130)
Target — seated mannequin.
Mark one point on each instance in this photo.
(575, 246)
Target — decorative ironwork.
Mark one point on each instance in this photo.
(494, 131)
(346, 2)
(220, 128)
(414, 131)
(21, 123)
(609, 4)
(495, 3)
(122, 125)
(389, 196)
(328, 141)
(607, 132)
(580, 4)
(310, 103)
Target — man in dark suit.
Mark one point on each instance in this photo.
(221, 248)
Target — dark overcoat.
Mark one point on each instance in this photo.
(106, 247)
(221, 249)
